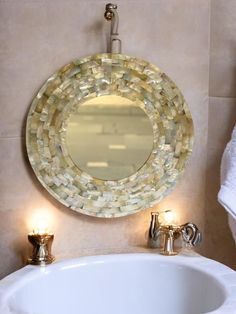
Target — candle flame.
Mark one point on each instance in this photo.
(40, 221)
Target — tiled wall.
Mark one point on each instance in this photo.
(221, 120)
(38, 36)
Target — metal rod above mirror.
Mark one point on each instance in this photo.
(111, 15)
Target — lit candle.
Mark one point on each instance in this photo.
(40, 220)
(41, 239)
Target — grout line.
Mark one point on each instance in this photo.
(224, 97)
(11, 137)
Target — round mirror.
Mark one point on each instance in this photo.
(109, 137)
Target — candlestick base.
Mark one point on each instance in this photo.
(42, 244)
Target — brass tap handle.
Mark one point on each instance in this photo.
(191, 234)
(154, 225)
(154, 233)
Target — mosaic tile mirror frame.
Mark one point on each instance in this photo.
(99, 75)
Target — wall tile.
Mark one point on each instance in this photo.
(219, 243)
(21, 196)
(223, 49)
(41, 36)
(37, 43)
(19, 186)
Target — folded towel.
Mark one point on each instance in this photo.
(227, 193)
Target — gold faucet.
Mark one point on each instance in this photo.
(164, 236)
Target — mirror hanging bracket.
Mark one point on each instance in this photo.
(111, 14)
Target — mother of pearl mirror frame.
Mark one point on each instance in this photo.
(99, 75)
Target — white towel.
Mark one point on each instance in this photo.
(227, 193)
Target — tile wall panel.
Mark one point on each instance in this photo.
(38, 37)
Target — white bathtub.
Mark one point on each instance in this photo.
(140, 283)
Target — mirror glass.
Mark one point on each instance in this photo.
(109, 137)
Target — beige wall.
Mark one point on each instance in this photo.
(219, 244)
(40, 36)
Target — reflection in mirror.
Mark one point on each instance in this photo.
(109, 137)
